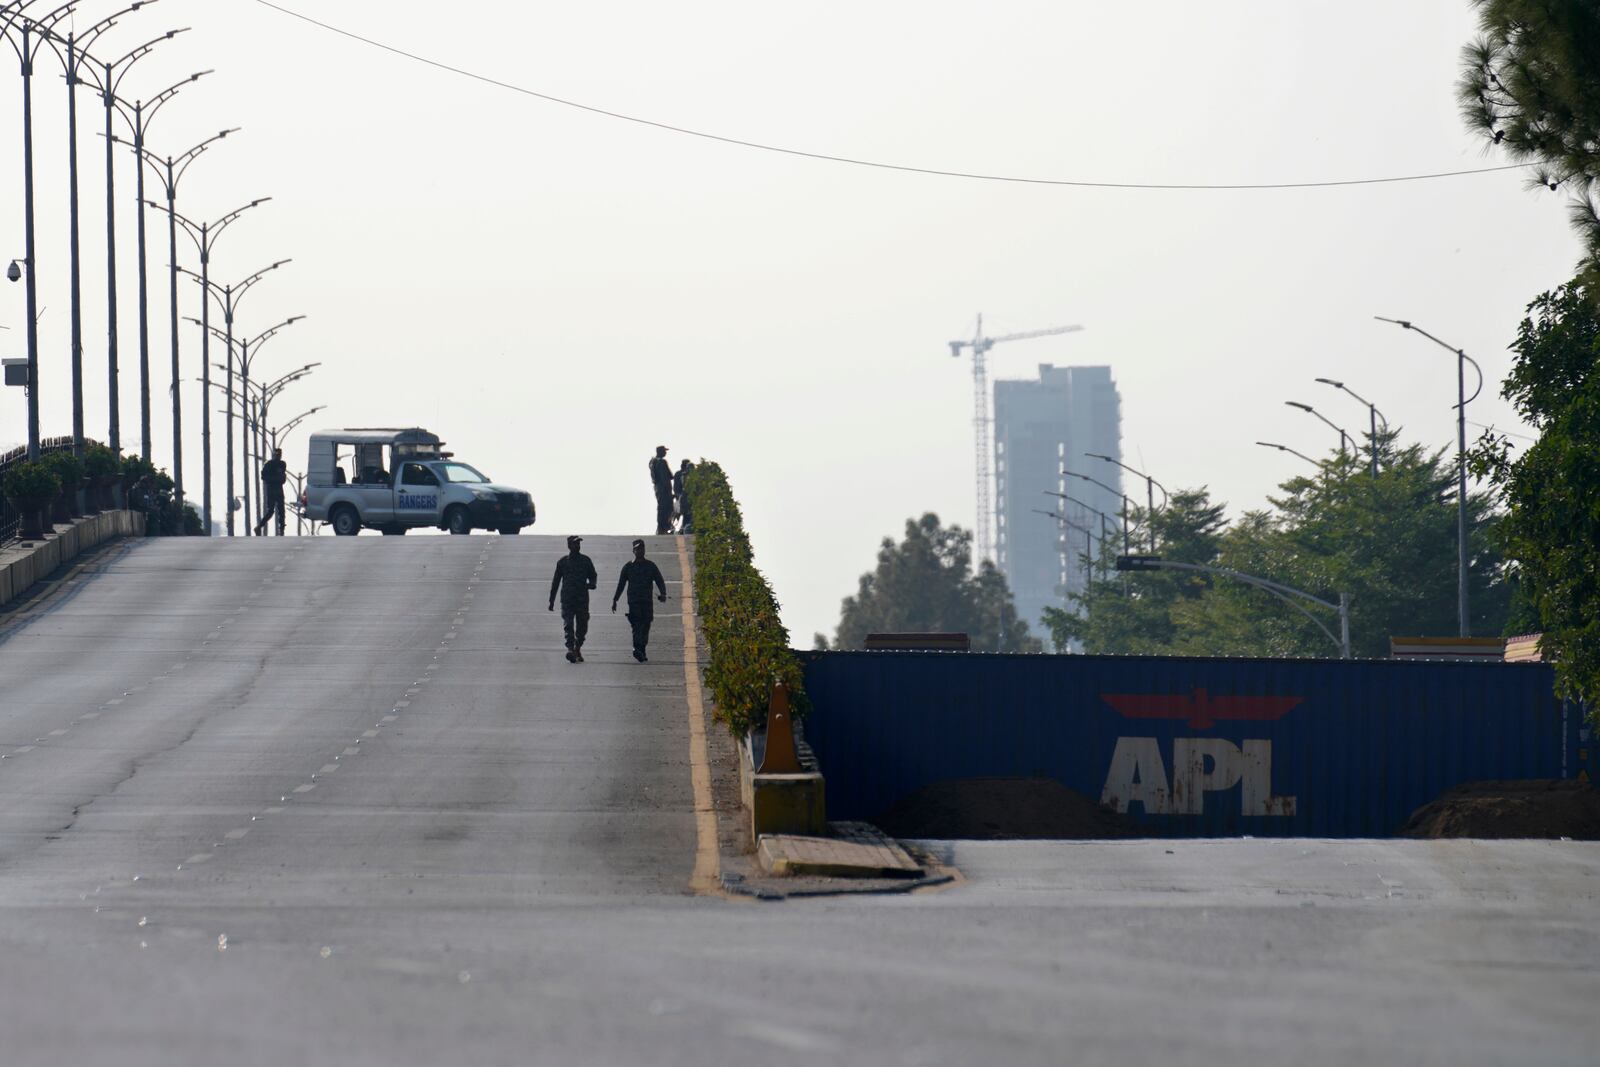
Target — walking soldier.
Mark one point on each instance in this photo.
(575, 576)
(274, 472)
(661, 480)
(638, 575)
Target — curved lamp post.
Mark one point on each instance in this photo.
(31, 39)
(1150, 487)
(1126, 540)
(1463, 617)
(1286, 593)
(246, 358)
(204, 235)
(228, 297)
(143, 112)
(73, 52)
(1308, 409)
(108, 79)
(1372, 412)
(171, 171)
(1291, 451)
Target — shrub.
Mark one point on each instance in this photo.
(100, 463)
(65, 466)
(749, 647)
(136, 467)
(30, 486)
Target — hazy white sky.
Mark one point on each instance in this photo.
(555, 292)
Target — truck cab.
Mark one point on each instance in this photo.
(394, 480)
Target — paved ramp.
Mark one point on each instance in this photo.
(301, 719)
(285, 802)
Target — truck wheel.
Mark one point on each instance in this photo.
(393, 529)
(345, 521)
(510, 531)
(456, 520)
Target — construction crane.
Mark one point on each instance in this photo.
(982, 425)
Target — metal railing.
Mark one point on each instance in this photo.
(10, 518)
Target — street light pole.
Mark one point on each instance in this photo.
(1307, 408)
(204, 235)
(33, 33)
(1150, 487)
(1372, 413)
(229, 297)
(143, 114)
(244, 391)
(111, 76)
(1285, 593)
(171, 171)
(1126, 540)
(1286, 448)
(1463, 616)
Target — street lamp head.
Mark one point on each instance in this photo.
(1330, 381)
(1297, 404)
(1096, 455)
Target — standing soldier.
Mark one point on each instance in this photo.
(661, 479)
(575, 576)
(638, 575)
(678, 480)
(274, 472)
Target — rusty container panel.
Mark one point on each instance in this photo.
(1190, 747)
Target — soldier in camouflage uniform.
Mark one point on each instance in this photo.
(638, 575)
(575, 576)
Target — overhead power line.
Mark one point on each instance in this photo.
(854, 162)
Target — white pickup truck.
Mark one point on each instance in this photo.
(395, 480)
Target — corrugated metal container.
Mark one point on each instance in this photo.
(1190, 747)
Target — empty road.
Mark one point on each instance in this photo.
(344, 801)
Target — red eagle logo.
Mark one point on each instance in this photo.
(1200, 707)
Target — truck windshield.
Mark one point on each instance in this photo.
(460, 472)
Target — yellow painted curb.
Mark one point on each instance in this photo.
(707, 875)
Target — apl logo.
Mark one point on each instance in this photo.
(1201, 765)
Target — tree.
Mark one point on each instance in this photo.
(1551, 530)
(1116, 614)
(1389, 542)
(1530, 83)
(926, 584)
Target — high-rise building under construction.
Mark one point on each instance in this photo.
(1040, 429)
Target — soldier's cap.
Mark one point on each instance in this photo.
(573, 540)
(638, 542)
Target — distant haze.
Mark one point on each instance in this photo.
(555, 293)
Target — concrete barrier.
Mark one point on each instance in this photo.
(24, 563)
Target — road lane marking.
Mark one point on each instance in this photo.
(706, 876)
(234, 835)
(328, 768)
(304, 788)
(58, 733)
(199, 857)
(274, 811)
(24, 748)
(370, 733)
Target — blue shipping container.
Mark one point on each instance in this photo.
(1189, 747)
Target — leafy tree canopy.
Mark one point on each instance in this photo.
(1551, 531)
(1388, 542)
(1530, 83)
(925, 584)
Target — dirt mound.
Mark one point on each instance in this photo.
(1002, 809)
(1539, 808)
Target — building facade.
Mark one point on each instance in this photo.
(1042, 427)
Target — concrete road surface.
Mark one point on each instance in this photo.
(343, 801)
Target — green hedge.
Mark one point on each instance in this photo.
(749, 646)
